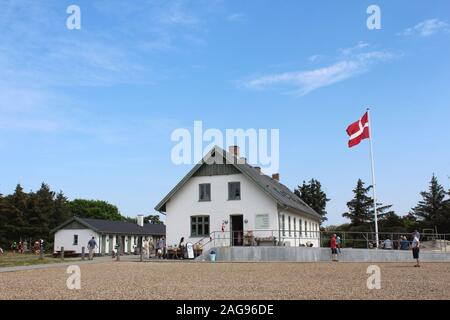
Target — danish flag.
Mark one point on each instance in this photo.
(358, 131)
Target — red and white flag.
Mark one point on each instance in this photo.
(358, 131)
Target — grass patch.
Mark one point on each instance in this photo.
(9, 259)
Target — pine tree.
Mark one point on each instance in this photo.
(61, 211)
(431, 210)
(361, 209)
(11, 222)
(40, 212)
(313, 195)
(15, 208)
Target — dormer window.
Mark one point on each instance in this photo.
(234, 191)
(205, 192)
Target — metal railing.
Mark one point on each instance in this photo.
(348, 239)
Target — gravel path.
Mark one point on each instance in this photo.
(166, 280)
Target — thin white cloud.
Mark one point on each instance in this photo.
(304, 82)
(427, 28)
(352, 50)
(236, 17)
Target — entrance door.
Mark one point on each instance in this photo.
(122, 245)
(111, 245)
(237, 230)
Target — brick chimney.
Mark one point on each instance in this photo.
(258, 169)
(234, 150)
(276, 176)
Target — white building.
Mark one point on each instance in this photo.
(233, 204)
(75, 233)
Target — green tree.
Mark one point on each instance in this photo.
(14, 209)
(361, 208)
(61, 210)
(95, 209)
(9, 216)
(153, 219)
(391, 222)
(432, 211)
(313, 195)
(40, 211)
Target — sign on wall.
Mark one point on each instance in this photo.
(190, 250)
(262, 222)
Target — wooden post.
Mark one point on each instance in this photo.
(62, 253)
(83, 253)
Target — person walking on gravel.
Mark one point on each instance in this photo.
(91, 247)
(333, 246)
(416, 250)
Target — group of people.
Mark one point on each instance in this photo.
(149, 246)
(160, 249)
(403, 244)
(21, 247)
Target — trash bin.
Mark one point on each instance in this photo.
(212, 256)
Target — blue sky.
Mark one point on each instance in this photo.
(91, 111)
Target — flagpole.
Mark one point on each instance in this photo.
(374, 184)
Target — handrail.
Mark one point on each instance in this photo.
(208, 237)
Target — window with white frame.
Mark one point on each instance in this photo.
(289, 225)
(306, 229)
(295, 227)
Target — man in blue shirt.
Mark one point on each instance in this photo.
(404, 244)
(91, 247)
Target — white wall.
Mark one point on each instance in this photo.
(301, 235)
(64, 238)
(185, 204)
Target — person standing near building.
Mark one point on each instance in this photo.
(416, 250)
(333, 246)
(161, 248)
(14, 247)
(42, 246)
(338, 244)
(92, 244)
(151, 247)
(146, 248)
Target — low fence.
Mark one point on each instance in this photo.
(346, 239)
(292, 254)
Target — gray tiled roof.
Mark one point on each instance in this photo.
(284, 197)
(117, 227)
(282, 194)
(155, 229)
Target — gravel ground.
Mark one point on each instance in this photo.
(172, 280)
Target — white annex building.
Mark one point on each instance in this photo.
(75, 233)
(231, 203)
